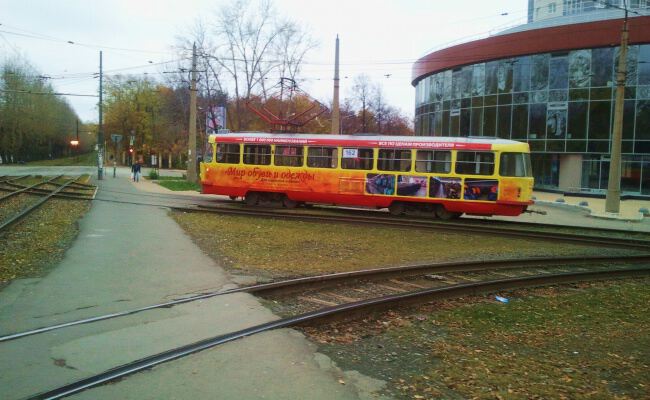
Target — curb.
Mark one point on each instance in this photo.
(589, 211)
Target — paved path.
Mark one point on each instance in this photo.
(128, 256)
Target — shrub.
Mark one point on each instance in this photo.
(153, 175)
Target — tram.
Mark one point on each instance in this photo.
(447, 176)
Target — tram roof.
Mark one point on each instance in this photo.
(433, 142)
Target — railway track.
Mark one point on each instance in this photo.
(328, 281)
(64, 194)
(590, 235)
(14, 188)
(594, 240)
(347, 308)
(18, 189)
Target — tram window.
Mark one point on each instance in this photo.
(474, 163)
(394, 160)
(257, 154)
(208, 153)
(515, 164)
(227, 153)
(353, 158)
(322, 157)
(433, 161)
(288, 156)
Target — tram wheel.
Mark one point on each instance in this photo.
(396, 208)
(233, 197)
(288, 203)
(252, 198)
(445, 215)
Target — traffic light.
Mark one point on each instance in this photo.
(131, 150)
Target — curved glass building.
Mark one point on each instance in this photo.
(551, 83)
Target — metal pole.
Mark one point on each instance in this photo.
(191, 151)
(613, 200)
(100, 132)
(76, 155)
(336, 117)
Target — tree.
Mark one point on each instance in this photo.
(361, 94)
(35, 123)
(366, 110)
(248, 46)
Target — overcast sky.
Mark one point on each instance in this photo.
(379, 38)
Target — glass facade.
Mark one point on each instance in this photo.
(560, 103)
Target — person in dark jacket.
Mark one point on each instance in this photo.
(135, 170)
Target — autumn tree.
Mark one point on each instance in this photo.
(367, 111)
(35, 123)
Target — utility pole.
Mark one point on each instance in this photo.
(336, 114)
(191, 151)
(613, 199)
(100, 132)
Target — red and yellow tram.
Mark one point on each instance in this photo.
(445, 175)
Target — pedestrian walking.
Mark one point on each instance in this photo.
(135, 171)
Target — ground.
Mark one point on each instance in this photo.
(588, 341)
(581, 341)
(280, 248)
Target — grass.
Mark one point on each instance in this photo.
(38, 242)
(590, 341)
(179, 185)
(88, 159)
(167, 178)
(279, 248)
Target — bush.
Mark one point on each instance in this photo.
(153, 175)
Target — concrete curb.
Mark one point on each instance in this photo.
(589, 211)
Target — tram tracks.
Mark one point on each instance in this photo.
(591, 236)
(555, 236)
(460, 279)
(408, 272)
(58, 190)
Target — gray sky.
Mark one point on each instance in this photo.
(378, 38)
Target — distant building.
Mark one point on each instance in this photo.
(549, 82)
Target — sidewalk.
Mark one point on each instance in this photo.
(629, 209)
(127, 256)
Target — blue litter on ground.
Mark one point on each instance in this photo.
(501, 299)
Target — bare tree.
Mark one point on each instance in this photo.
(246, 46)
(378, 106)
(362, 94)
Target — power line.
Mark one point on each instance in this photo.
(33, 35)
(47, 93)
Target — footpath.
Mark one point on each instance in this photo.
(127, 256)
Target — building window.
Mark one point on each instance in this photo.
(551, 8)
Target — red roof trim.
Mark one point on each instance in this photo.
(587, 35)
(355, 143)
